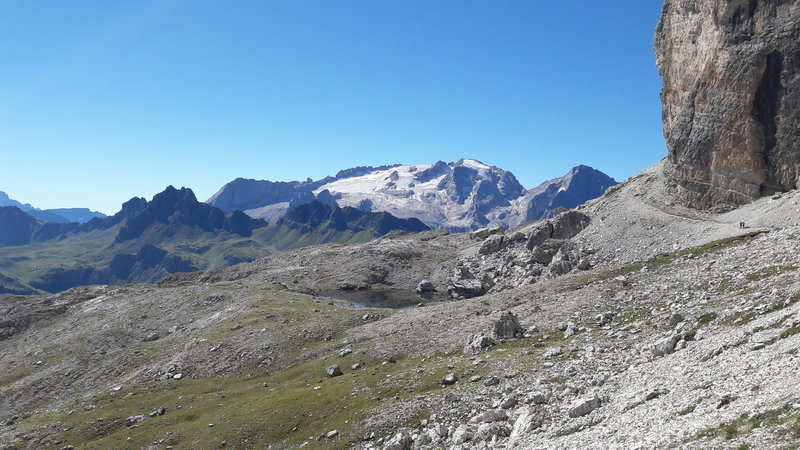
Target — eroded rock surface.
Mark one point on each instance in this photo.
(730, 99)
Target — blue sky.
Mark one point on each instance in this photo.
(106, 100)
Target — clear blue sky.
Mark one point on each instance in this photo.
(106, 100)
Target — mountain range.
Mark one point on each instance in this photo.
(461, 196)
(60, 215)
(664, 314)
(173, 232)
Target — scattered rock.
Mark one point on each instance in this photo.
(492, 245)
(425, 286)
(400, 441)
(725, 400)
(584, 406)
(492, 415)
(491, 381)
(655, 393)
(334, 371)
(766, 337)
(676, 318)
(133, 420)
(665, 346)
(449, 379)
(478, 343)
(461, 435)
(508, 327)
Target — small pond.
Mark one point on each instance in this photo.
(395, 299)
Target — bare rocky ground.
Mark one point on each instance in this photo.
(642, 325)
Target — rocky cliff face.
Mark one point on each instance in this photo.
(731, 73)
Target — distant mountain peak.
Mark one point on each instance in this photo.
(59, 215)
(179, 207)
(459, 196)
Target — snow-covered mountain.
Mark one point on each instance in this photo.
(460, 196)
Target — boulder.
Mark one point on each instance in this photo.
(665, 346)
(584, 406)
(400, 441)
(539, 234)
(461, 435)
(489, 416)
(466, 288)
(676, 318)
(527, 421)
(568, 224)
(425, 286)
(449, 379)
(133, 420)
(508, 327)
(766, 337)
(478, 343)
(334, 371)
(493, 244)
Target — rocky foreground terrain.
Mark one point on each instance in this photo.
(644, 325)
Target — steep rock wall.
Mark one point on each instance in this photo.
(731, 103)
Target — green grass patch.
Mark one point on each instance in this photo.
(785, 420)
(769, 272)
(578, 429)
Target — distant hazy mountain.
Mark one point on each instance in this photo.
(458, 196)
(60, 215)
(16, 227)
(173, 232)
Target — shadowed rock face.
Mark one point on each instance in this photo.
(731, 103)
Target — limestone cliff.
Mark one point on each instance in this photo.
(731, 103)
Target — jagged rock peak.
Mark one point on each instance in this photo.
(179, 207)
(731, 103)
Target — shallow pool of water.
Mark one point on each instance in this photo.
(395, 299)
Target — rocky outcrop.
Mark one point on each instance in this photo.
(731, 72)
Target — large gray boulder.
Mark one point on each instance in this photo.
(584, 406)
(493, 244)
(508, 327)
(478, 343)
